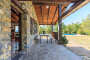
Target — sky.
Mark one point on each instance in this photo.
(78, 15)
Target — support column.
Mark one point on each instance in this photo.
(51, 28)
(60, 25)
(38, 30)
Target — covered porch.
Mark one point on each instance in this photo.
(28, 15)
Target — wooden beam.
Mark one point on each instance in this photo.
(13, 10)
(20, 32)
(48, 14)
(47, 24)
(14, 18)
(55, 13)
(14, 15)
(42, 13)
(18, 4)
(50, 0)
(71, 8)
(46, 4)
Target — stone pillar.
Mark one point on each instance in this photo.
(5, 30)
(60, 25)
(24, 32)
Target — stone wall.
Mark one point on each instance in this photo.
(27, 38)
(5, 30)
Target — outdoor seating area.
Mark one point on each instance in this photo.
(33, 29)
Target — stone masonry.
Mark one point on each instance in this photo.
(5, 30)
(27, 38)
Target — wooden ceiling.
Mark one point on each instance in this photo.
(14, 15)
(50, 0)
(47, 13)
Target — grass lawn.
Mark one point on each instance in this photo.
(80, 45)
(82, 40)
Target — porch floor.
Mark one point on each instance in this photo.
(48, 51)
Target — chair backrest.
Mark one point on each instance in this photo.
(12, 35)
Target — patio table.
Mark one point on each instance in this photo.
(44, 35)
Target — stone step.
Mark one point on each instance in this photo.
(18, 57)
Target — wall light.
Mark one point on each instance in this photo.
(47, 6)
(23, 5)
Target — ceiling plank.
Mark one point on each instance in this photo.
(70, 9)
(14, 18)
(14, 15)
(47, 24)
(48, 14)
(55, 13)
(42, 13)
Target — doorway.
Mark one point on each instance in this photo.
(15, 31)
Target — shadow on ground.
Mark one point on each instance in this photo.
(80, 51)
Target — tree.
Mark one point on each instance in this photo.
(63, 28)
(86, 25)
(56, 27)
(48, 29)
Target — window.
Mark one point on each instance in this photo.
(16, 28)
(33, 27)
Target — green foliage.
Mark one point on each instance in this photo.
(46, 29)
(64, 39)
(55, 27)
(75, 28)
(78, 28)
(80, 31)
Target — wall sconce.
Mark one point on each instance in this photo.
(47, 6)
(23, 5)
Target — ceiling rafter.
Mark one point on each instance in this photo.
(42, 12)
(55, 13)
(48, 14)
(14, 18)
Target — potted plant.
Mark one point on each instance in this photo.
(43, 32)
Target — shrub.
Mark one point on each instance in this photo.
(64, 40)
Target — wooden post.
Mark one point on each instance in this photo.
(20, 32)
(60, 25)
(38, 30)
(51, 29)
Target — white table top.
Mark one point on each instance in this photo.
(44, 34)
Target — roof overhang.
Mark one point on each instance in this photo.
(74, 8)
(50, 16)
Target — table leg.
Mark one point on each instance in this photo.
(40, 39)
(47, 39)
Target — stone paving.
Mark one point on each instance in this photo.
(48, 51)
